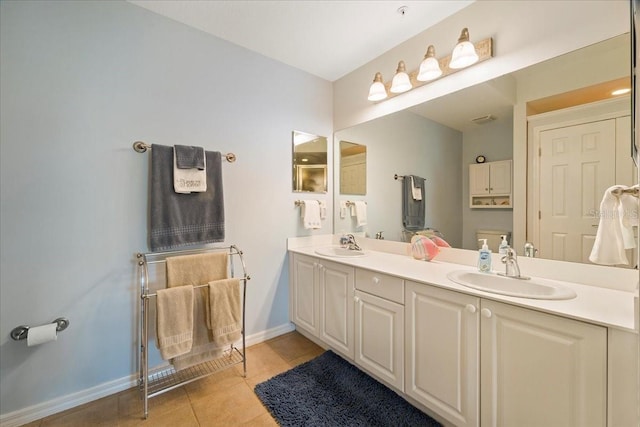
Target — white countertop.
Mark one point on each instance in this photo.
(601, 306)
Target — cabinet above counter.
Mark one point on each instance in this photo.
(597, 305)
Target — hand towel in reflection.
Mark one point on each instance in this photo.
(628, 211)
(416, 190)
(413, 211)
(323, 209)
(177, 220)
(608, 247)
(189, 169)
(361, 212)
(311, 214)
(174, 321)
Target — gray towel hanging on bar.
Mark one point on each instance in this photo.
(178, 220)
(412, 210)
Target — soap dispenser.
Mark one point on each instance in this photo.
(504, 245)
(484, 257)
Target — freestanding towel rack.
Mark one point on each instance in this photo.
(165, 378)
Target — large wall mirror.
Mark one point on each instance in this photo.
(438, 141)
(309, 163)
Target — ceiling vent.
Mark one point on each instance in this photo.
(484, 119)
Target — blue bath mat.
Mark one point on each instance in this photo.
(329, 391)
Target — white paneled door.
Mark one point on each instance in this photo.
(577, 165)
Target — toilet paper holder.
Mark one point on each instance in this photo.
(20, 332)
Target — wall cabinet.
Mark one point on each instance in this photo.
(490, 185)
(380, 327)
(530, 368)
(321, 301)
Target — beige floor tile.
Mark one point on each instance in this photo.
(263, 359)
(102, 412)
(218, 382)
(181, 416)
(130, 404)
(33, 424)
(237, 405)
(292, 346)
(265, 420)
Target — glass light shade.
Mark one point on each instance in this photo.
(430, 67)
(377, 91)
(464, 54)
(401, 82)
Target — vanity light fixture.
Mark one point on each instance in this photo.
(464, 54)
(430, 67)
(401, 82)
(377, 91)
(620, 91)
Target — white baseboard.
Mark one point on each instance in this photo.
(59, 404)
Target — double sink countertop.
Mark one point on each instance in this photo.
(603, 306)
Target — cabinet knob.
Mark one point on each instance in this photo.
(470, 308)
(356, 299)
(486, 189)
(486, 312)
(376, 280)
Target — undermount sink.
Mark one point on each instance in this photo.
(337, 251)
(536, 288)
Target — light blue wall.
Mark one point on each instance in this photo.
(405, 143)
(495, 141)
(80, 81)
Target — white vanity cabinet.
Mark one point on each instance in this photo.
(530, 368)
(379, 326)
(541, 370)
(490, 185)
(321, 301)
(442, 357)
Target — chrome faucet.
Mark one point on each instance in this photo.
(530, 250)
(512, 269)
(351, 242)
(379, 235)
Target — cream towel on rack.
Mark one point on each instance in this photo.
(416, 190)
(311, 214)
(360, 208)
(198, 269)
(174, 321)
(226, 314)
(608, 247)
(188, 179)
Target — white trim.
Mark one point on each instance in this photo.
(62, 403)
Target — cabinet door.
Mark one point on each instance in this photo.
(541, 370)
(380, 338)
(479, 179)
(304, 293)
(500, 177)
(442, 358)
(336, 282)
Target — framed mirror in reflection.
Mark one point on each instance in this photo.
(353, 168)
(439, 140)
(309, 162)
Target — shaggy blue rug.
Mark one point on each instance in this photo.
(329, 391)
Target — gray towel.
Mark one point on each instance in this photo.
(412, 210)
(176, 219)
(189, 157)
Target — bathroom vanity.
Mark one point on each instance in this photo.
(469, 357)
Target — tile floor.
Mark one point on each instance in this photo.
(222, 399)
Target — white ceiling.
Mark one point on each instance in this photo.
(327, 38)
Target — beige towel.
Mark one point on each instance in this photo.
(198, 269)
(195, 270)
(174, 323)
(204, 348)
(224, 302)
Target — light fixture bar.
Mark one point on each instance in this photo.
(484, 49)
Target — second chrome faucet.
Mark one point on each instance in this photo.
(512, 269)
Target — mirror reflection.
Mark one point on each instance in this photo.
(353, 168)
(441, 140)
(309, 163)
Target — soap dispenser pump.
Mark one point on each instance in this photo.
(504, 245)
(484, 257)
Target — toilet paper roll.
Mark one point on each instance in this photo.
(42, 334)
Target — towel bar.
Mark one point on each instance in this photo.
(142, 147)
(20, 332)
(620, 191)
